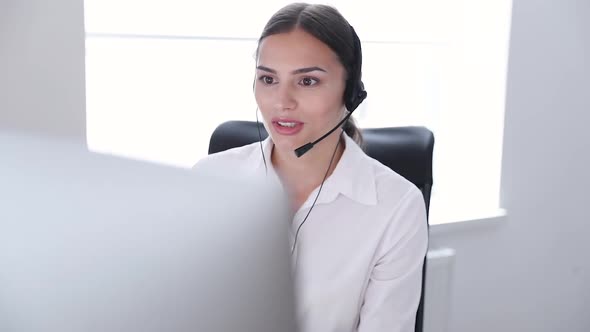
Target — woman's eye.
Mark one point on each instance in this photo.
(308, 81)
(267, 80)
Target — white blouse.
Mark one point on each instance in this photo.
(359, 256)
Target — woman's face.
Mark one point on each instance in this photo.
(299, 87)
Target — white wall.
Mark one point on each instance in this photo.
(532, 271)
(42, 67)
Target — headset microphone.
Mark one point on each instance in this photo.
(354, 103)
(300, 151)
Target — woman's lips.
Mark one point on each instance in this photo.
(287, 126)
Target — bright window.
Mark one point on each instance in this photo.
(162, 74)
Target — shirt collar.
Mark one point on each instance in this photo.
(353, 177)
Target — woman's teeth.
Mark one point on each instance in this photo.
(287, 124)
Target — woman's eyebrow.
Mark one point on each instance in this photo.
(307, 70)
(296, 71)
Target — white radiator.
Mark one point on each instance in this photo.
(438, 289)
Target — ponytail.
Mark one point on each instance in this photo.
(351, 129)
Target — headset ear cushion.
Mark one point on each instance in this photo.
(361, 96)
(356, 97)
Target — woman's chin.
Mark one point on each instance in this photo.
(287, 144)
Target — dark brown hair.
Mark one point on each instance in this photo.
(329, 26)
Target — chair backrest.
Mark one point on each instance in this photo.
(406, 150)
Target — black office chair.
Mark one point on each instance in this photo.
(406, 150)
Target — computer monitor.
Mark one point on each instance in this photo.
(90, 242)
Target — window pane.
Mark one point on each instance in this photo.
(402, 82)
(161, 99)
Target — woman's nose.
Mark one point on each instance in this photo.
(285, 99)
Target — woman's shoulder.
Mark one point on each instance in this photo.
(390, 186)
(231, 158)
(400, 202)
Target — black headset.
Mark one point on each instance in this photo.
(355, 93)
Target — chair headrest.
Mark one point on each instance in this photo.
(406, 150)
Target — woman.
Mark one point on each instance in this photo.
(359, 230)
